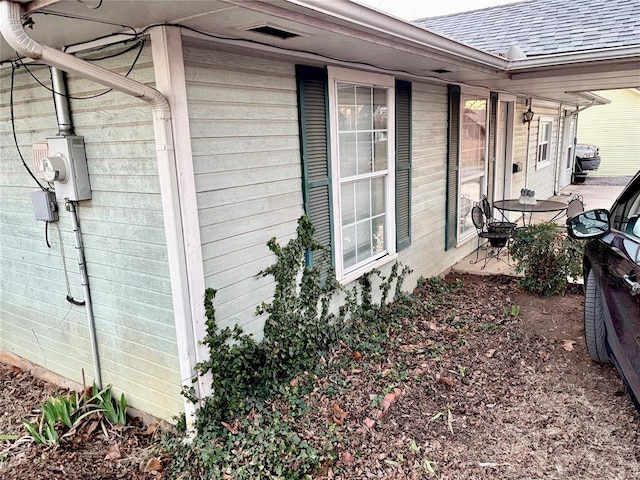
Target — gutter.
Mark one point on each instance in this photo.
(14, 33)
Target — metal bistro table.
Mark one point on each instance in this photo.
(513, 205)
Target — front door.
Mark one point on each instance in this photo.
(504, 149)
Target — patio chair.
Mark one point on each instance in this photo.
(574, 207)
(493, 237)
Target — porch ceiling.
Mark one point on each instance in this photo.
(345, 33)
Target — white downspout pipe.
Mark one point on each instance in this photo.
(14, 33)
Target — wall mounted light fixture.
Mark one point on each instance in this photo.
(528, 115)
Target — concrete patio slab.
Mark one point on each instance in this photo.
(594, 196)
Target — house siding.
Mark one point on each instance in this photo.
(244, 126)
(245, 137)
(539, 179)
(123, 236)
(615, 129)
(427, 255)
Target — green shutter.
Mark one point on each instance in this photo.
(313, 112)
(403, 164)
(451, 229)
(493, 139)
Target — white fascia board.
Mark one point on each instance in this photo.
(562, 59)
(401, 30)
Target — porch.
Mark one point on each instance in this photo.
(598, 193)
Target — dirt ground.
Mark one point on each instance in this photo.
(472, 390)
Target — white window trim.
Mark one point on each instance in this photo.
(547, 162)
(335, 75)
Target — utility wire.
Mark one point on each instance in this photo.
(13, 127)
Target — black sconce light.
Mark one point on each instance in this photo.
(528, 115)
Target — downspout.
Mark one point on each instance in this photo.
(14, 33)
(559, 160)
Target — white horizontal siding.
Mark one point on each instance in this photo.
(123, 235)
(542, 179)
(427, 255)
(615, 129)
(244, 126)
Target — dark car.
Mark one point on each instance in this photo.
(612, 283)
(587, 157)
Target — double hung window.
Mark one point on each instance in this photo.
(362, 115)
(356, 152)
(544, 142)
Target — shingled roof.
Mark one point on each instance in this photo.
(541, 27)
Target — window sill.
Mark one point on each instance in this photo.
(356, 274)
(541, 165)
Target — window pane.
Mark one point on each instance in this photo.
(473, 141)
(471, 190)
(349, 246)
(347, 154)
(364, 103)
(378, 235)
(346, 107)
(363, 232)
(380, 151)
(348, 204)
(377, 196)
(379, 109)
(365, 153)
(363, 200)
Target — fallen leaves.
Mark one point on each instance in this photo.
(338, 414)
(568, 345)
(113, 452)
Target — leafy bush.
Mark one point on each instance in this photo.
(247, 427)
(547, 256)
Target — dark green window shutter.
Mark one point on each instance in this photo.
(493, 139)
(403, 164)
(451, 230)
(313, 112)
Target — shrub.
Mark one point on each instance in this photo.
(244, 431)
(547, 256)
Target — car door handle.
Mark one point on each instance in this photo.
(633, 285)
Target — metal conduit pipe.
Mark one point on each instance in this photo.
(65, 127)
(84, 277)
(61, 101)
(16, 36)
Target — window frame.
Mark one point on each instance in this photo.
(472, 94)
(341, 75)
(540, 141)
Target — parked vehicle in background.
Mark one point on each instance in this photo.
(587, 156)
(611, 268)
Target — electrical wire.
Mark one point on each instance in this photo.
(140, 44)
(13, 128)
(89, 6)
(70, 298)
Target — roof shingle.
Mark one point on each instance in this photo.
(542, 27)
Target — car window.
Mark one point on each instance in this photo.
(626, 213)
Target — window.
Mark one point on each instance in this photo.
(544, 142)
(361, 112)
(356, 164)
(472, 162)
(467, 163)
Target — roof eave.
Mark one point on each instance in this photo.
(383, 23)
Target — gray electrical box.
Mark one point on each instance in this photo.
(66, 167)
(45, 207)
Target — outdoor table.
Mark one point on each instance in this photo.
(513, 205)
